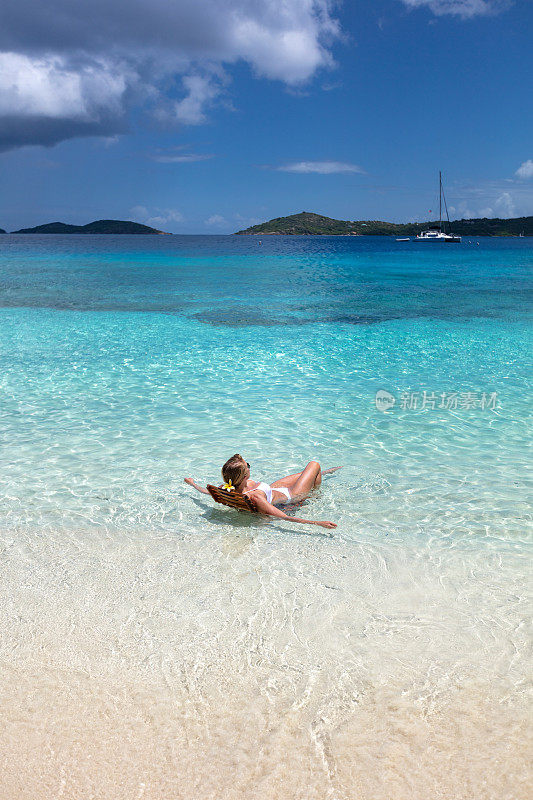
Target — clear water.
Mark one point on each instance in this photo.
(156, 646)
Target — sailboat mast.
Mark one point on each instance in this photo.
(440, 200)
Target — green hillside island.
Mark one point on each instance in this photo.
(307, 223)
(100, 226)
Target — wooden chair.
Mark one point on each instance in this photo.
(232, 499)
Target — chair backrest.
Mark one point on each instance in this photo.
(232, 499)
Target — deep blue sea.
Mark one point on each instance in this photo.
(164, 630)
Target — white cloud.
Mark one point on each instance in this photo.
(502, 199)
(158, 218)
(320, 167)
(201, 90)
(294, 38)
(504, 206)
(46, 86)
(139, 213)
(246, 221)
(525, 170)
(460, 8)
(181, 158)
(460, 211)
(215, 220)
(109, 141)
(98, 58)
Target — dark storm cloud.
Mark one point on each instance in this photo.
(73, 68)
(16, 132)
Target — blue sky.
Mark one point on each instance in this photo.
(206, 117)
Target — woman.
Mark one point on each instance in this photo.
(236, 474)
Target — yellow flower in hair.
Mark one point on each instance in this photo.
(229, 486)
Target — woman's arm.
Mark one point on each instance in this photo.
(267, 508)
(195, 486)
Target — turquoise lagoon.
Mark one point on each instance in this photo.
(155, 646)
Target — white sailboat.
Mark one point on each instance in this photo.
(439, 234)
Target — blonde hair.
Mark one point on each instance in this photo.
(234, 470)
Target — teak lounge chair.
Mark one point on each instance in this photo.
(232, 499)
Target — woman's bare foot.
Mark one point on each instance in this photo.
(330, 470)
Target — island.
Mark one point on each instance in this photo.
(100, 226)
(309, 224)
(2, 230)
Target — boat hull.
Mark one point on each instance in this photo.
(443, 239)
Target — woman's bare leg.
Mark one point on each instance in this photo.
(302, 482)
(288, 481)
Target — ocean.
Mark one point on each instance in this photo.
(156, 646)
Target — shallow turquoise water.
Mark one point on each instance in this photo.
(127, 363)
(202, 347)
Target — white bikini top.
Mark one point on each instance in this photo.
(264, 487)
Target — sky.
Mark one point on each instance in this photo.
(207, 116)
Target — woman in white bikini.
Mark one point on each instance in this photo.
(236, 474)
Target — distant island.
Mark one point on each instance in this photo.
(2, 230)
(307, 223)
(100, 226)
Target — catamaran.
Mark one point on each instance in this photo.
(439, 234)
